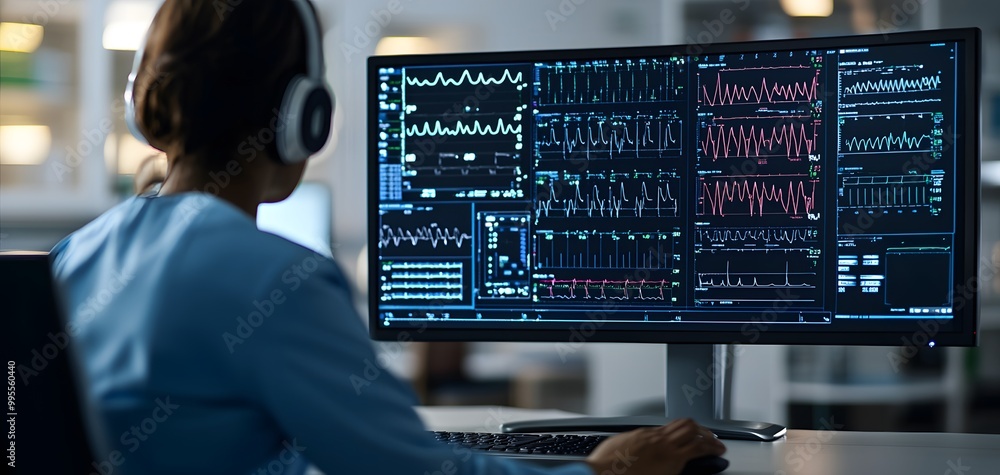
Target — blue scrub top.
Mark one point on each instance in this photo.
(208, 346)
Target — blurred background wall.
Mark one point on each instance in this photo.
(65, 157)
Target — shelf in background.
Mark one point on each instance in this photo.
(894, 392)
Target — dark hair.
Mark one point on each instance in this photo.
(213, 73)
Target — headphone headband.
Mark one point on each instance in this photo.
(314, 40)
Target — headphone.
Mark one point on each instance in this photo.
(306, 112)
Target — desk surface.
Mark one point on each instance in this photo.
(814, 452)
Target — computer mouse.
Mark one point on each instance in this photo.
(707, 465)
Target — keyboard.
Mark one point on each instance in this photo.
(523, 444)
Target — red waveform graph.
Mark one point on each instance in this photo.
(789, 140)
(767, 91)
(755, 196)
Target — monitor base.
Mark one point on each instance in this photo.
(699, 385)
(731, 430)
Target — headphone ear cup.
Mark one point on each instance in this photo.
(304, 120)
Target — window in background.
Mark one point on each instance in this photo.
(37, 121)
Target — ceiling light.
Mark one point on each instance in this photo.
(393, 45)
(20, 37)
(813, 8)
(24, 144)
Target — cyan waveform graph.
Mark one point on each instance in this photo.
(464, 122)
(894, 86)
(466, 77)
(606, 249)
(792, 195)
(607, 195)
(459, 127)
(891, 79)
(898, 85)
(591, 136)
(759, 138)
(754, 235)
(909, 132)
(610, 82)
(758, 85)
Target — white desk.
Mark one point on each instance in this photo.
(812, 452)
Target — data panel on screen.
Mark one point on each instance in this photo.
(816, 186)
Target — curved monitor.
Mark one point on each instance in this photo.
(814, 191)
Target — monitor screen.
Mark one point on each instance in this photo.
(806, 191)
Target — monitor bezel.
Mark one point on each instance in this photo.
(966, 268)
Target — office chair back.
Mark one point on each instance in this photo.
(49, 427)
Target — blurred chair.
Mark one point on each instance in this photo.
(50, 434)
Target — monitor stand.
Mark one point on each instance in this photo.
(699, 386)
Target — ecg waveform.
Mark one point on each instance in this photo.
(892, 191)
(607, 82)
(789, 140)
(465, 163)
(754, 280)
(768, 90)
(605, 289)
(639, 198)
(604, 250)
(757, 235)
(601, 139)
(461, 128)
(892, 86)
(431, 234)
(890, 133)
(889, 143)
(465, 78)
(723, 197)
(851, 105)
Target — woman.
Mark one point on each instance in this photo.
(208, 346)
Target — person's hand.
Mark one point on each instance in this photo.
(660, 450)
